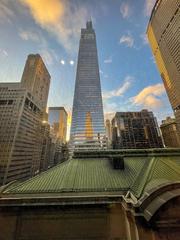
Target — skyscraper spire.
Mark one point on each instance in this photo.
(89, 24)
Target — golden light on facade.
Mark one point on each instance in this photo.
(88, 127)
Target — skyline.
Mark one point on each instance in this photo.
(129, 81)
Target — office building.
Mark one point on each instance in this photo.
(108, 131)
(36, 79)
(135, 130)
(20, 133)
(87, 128)
(169, 133)
(163, 34)
(45, 161)
(58, 122)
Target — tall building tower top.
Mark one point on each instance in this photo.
(87, 129)
(36, 79)
(89, 25)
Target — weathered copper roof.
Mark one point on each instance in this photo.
(83, 175)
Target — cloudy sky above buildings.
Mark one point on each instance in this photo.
(129, 77)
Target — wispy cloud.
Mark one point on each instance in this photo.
(6, 13)
(30, 35)
(125, 10)
(121, 90)
(48, 54)
(144, 38)
(3, 52)
(110, 108)
(128, 40)
(149, 4)
(60, 18)
(108, 60)
(149, 97)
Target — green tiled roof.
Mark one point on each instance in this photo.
(98, 175)
(82, 175)
(159, 170)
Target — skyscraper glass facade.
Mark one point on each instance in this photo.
(87, 129)
(58, 122)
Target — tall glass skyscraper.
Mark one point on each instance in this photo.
(87, 129)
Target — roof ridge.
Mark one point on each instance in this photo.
(146, 170)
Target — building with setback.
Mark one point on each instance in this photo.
(118, 194)
(87, 128)
(163, 34)
(169, 133)
(135, 130)
(20, 133)
(36, 79)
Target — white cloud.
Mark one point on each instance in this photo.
(47, 53)
(149, 4)
(128, 40)
(47, 56)
(62, 19)
(120, 91)
(3, 52)
(30, 35)
(108, 60)
(125, 10)
(149, 97)
(144, 38)
(110, 108)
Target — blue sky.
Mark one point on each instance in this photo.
(130, 80)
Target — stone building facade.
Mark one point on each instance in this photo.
(170, 133)
(20, 133)
(163, 36)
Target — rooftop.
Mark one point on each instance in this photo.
(87, 175)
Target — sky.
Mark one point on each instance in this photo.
(130, 80)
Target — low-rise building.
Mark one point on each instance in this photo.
(170, 133)
(58, 122)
